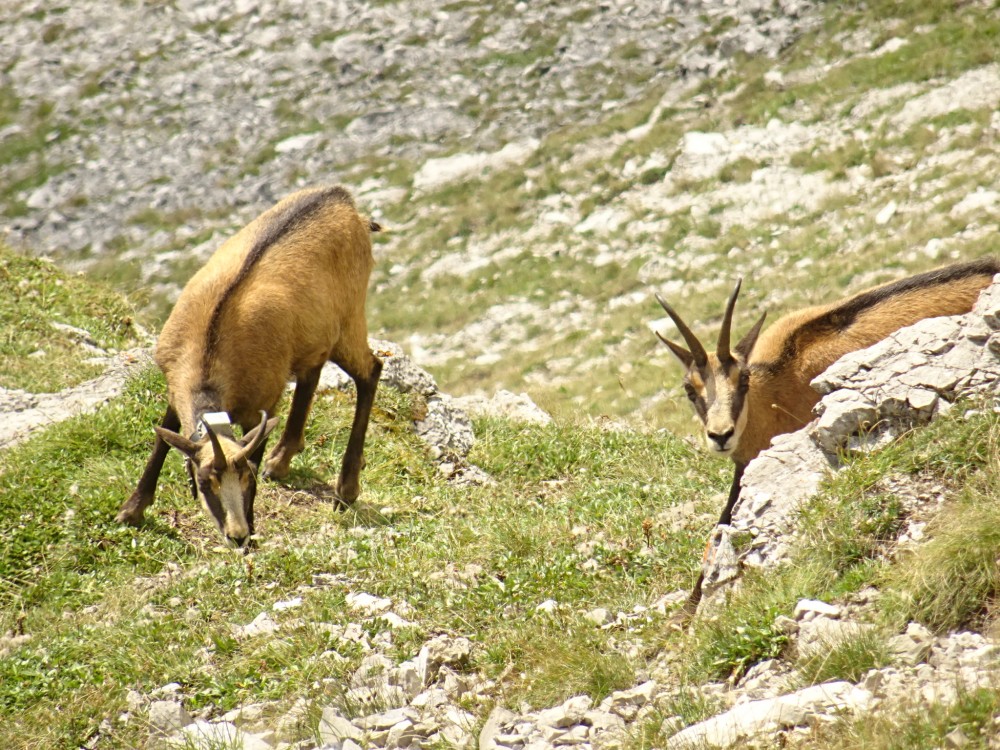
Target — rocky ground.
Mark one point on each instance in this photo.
(551, 165)
(267, 95)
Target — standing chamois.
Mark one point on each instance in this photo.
(282, 297)
(747, 394)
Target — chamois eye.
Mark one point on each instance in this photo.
(690, 391)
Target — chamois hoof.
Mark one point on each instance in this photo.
(345, 497)
(274, 472)
(129, 518)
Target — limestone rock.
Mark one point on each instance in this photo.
(569, 713)
(166, 718)
(913, 646)
(734, 727)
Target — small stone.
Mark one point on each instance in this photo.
(333, 727)
(956, 739)
(885, 215)
(598, 616)
(815, 607)
(288, 604)
(498, 719)
(166, 718)
(262, 624)
(786, 625)
(385, 720)
(569, 713)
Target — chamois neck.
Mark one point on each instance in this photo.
(773, 408)
(204, 401)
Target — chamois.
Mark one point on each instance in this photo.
(747, 394)
(282, 297)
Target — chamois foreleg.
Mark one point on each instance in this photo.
(365, 379)
(132, 510)
(293, 438)
(725, 518)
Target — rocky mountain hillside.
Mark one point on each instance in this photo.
(541, 168)
(511, 577)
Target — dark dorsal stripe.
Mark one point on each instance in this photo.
(844, 315)
(284, 223)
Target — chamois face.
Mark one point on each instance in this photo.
(224, 476)
(717, 393)
(717, 384)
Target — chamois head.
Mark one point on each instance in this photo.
(717, 384)
(223, 472)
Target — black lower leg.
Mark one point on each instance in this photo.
(350, 470)
(725, 518)
(132, 510)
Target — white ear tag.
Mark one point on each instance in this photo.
(218, 421)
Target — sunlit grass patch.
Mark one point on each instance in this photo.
(848, 659)
(36, 355)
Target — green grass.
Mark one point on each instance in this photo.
(74, 580)
(845, 544)
(848, 659)
(34, 293)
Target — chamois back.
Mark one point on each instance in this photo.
(273, 298)
(810, 340)
(801, 345)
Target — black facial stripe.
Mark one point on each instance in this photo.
(697, 400)
(211, 499)
(742, 386)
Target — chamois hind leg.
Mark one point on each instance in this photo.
(132, 509)
(293, 437)
(725, 518)
(354, 357)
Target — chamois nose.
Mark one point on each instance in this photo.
(239, 541)
(721, 438)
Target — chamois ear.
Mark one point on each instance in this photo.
(188, 447)
(749, 340)
(679, 351)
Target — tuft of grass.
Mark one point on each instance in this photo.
(727, 643)
(953, 581)
(848, 659)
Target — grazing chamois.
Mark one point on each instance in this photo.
(282, 297)
(747, 394)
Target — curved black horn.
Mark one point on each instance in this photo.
(697, 350)
(219, 463)
(722, 350)
(260, 433)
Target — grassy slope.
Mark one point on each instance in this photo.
(33, 296)
(111, 609)
(68, 575)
